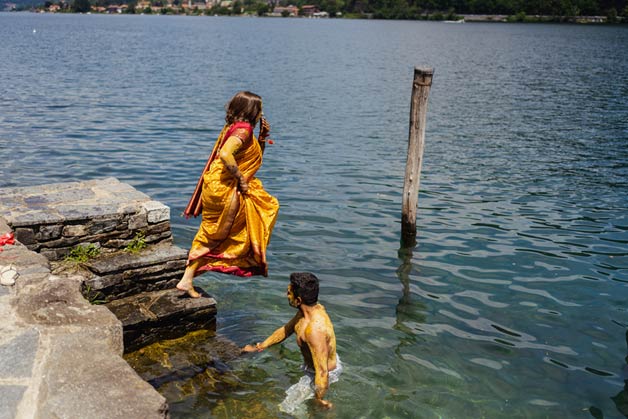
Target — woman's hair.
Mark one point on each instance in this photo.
(305, 285)
(244, 106)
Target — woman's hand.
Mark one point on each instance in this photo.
(243, 185)
(264, 128)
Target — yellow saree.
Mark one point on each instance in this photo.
(236, 227)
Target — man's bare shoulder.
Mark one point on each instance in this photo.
(320, 323)
(322, 313)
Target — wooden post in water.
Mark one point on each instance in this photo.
(416, 143)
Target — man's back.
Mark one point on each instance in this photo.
(315, 333)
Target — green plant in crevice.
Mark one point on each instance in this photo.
(81, 254)
(93, 297)
(137, 243)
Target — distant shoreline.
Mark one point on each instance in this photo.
(437, 17)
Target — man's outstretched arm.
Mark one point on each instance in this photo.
(277, 336)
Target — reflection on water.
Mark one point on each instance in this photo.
(407, 311)
(513, 303)
(621, 398)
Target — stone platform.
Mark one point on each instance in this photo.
(51, 219)
(121, 274)
(159, 315)
(60, 356)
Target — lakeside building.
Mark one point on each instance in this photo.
(115, 8)
(142, 5)
(290, 10)
(189, 5)
(308, 10)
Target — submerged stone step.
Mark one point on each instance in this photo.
(152, 316)
(193, 364)
(121, 274)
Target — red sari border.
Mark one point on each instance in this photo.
(231, 270)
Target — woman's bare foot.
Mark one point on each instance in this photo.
(187, 286)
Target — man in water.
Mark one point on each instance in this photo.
(314, 333)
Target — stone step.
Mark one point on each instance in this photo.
(46, 312)
(122, 274)
(153, 316)
(52, 219)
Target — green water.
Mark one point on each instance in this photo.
(513, 303)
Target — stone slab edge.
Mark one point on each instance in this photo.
(76, 369)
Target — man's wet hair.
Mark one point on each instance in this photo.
(305, 285)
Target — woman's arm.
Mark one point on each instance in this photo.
(227, 155)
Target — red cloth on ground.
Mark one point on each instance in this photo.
(7, 238)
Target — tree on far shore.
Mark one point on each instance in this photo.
(262, 9)
(132, 5)
(81, 6)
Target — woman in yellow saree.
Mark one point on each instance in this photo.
(238, 215)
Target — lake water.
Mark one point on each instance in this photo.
(514, 303)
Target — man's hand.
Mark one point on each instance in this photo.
(252, 348)
(248, 349)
